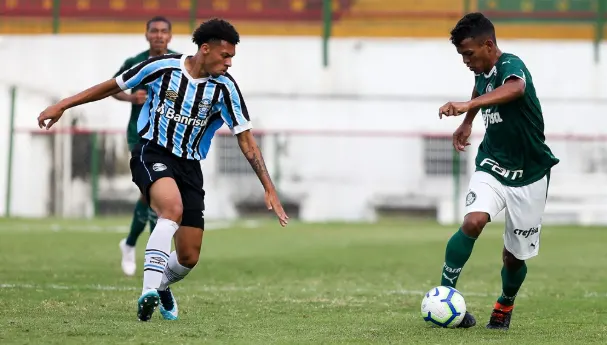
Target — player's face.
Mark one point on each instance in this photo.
(159, 35)
(217, 57)
(476, 54)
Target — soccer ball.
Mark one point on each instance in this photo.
(443, 306)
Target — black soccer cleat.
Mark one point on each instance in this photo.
(500, 319)
(467, 322)
(166, 299)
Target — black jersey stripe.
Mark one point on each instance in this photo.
(178, 105)
(146, 128)
(214, 100)
(157, 75)
(133, 71)
(194, 113)
(243, 105)
(227, 100)
(166, 81)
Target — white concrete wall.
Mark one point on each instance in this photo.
(371, 85)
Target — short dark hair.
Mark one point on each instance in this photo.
(472, 25)
(215, 30)
(158, 19)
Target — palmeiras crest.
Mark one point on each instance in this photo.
(470, 198)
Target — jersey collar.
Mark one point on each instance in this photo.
(185, 72)
(491, 73)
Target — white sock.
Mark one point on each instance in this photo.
(156, 257)
(173, 272)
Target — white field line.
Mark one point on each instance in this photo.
(228, 288)
(113, 288)
(33, 227)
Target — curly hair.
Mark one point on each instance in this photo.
(472, 25)
(215, 30)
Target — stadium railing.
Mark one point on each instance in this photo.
(321, 174)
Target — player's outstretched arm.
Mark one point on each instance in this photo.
(137, 97)
(92, 94)
(251, 151)
(458, 108)
(512, 89)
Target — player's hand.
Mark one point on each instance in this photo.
(139, 97)
(460, 137)
(52, 113)
(273, 203)
(453, 109)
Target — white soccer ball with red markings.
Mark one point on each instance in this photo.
(443, 306)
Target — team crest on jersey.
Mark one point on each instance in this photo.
(204, 106)
(470, 198)
(489, 88)
(171, 95)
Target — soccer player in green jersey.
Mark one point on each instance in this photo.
(158, 34)
(512, 166)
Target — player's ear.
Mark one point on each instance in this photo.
(490, 45)
(205, 49)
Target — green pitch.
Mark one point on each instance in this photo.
(61, 283)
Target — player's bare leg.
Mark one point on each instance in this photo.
(166, 201)
(188, 241)
(459, 249)
(513, 275)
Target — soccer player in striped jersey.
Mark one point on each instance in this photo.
(190, 98)
(158, 34)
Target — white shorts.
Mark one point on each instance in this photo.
(524, 209)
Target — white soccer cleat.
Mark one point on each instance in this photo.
(129, 266)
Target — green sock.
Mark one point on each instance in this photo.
(140, 217)
(458, 252)
(153, 218)
(511, 283)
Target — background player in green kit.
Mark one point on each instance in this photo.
(512, 166)
(158, 34)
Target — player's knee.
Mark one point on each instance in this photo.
(188, 257)
(474, 223)
(510, 261)
(172, 211)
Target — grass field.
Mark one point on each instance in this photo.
(61, 283)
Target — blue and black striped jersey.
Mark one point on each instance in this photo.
(183, 113)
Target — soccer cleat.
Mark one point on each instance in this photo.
(168, 304)
(128, 258)
(500, 317)
(467, 322)
(146, 305)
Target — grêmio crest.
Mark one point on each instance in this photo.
(204, 106)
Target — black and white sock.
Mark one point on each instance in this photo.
(173, 272)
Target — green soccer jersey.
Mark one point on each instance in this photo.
(131, 132)
(513, 148)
